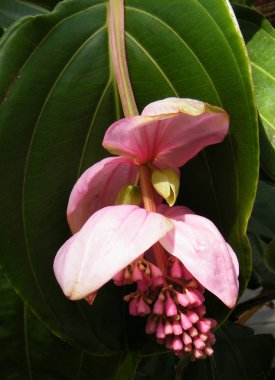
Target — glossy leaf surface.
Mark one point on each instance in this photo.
(239, 354)
(12, 10)
(30, 351)
(56, 105)
(270, 256)
(261, 231)
(259, 36)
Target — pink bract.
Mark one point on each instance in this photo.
(168, 133)
(111, 239)
(115, 236)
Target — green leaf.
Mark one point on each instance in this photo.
(259, 37)
(262, 275)
(161, 367)
(243, 2)
(262, 221)
(269, 256)
(30, 351)
(12, 10)
(58, 98)
(48, 3)
(238, 355)
(127, 368)
(261, 230)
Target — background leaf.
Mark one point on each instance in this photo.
(161, 367)
(56, 105)
(12, 10)
(261, 231)
(261, 273)
(238, 355)
(30, 351)
(259, 36)
(270, 255)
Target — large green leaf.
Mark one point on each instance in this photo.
(238, 355)
(30, 351)
(269, 256)
(260, 41)
(161, 367)
(12, 10)
(261, 273)
(262, 221)
(261, 230)
(58, 97)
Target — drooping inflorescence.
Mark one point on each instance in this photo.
(124, 230)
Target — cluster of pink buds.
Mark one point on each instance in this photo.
(176, 314)
(124, 230)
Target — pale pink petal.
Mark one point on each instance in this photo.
(174, 106)
(197, 243)
(168, 133)
(110, 239)
(134, 137)
(98, 187)
(175, 212)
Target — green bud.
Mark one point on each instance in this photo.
(129, 195)
(166, 182)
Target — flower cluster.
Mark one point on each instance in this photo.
(124, 230)
(175, 309)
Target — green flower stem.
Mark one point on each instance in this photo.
(118, 57)
(149, 202)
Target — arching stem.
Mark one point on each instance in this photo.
(118, 56)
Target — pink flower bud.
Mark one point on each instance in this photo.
(213, 322)
(168, 328)
(198, 354)
(208, 351)
(188, 348)
(175, 270)
(195, 297)
(198, 343)
(177, 328)
(186, 339)
(133, 307)
(158, 307)
(151, 326)
(160, 330)
(177, 344)
(185, 322)
(203, 337)
(170, 306)
(156, 276)
(143, 308)
(137, 274)
(201, 310)
(204, 325)
(182, 299)
(211, 338)
(192, 316)
(193, 332)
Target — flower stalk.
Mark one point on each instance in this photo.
(118, 56)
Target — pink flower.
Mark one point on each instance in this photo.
(167, 134)
(169, 252)
(116, 236)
